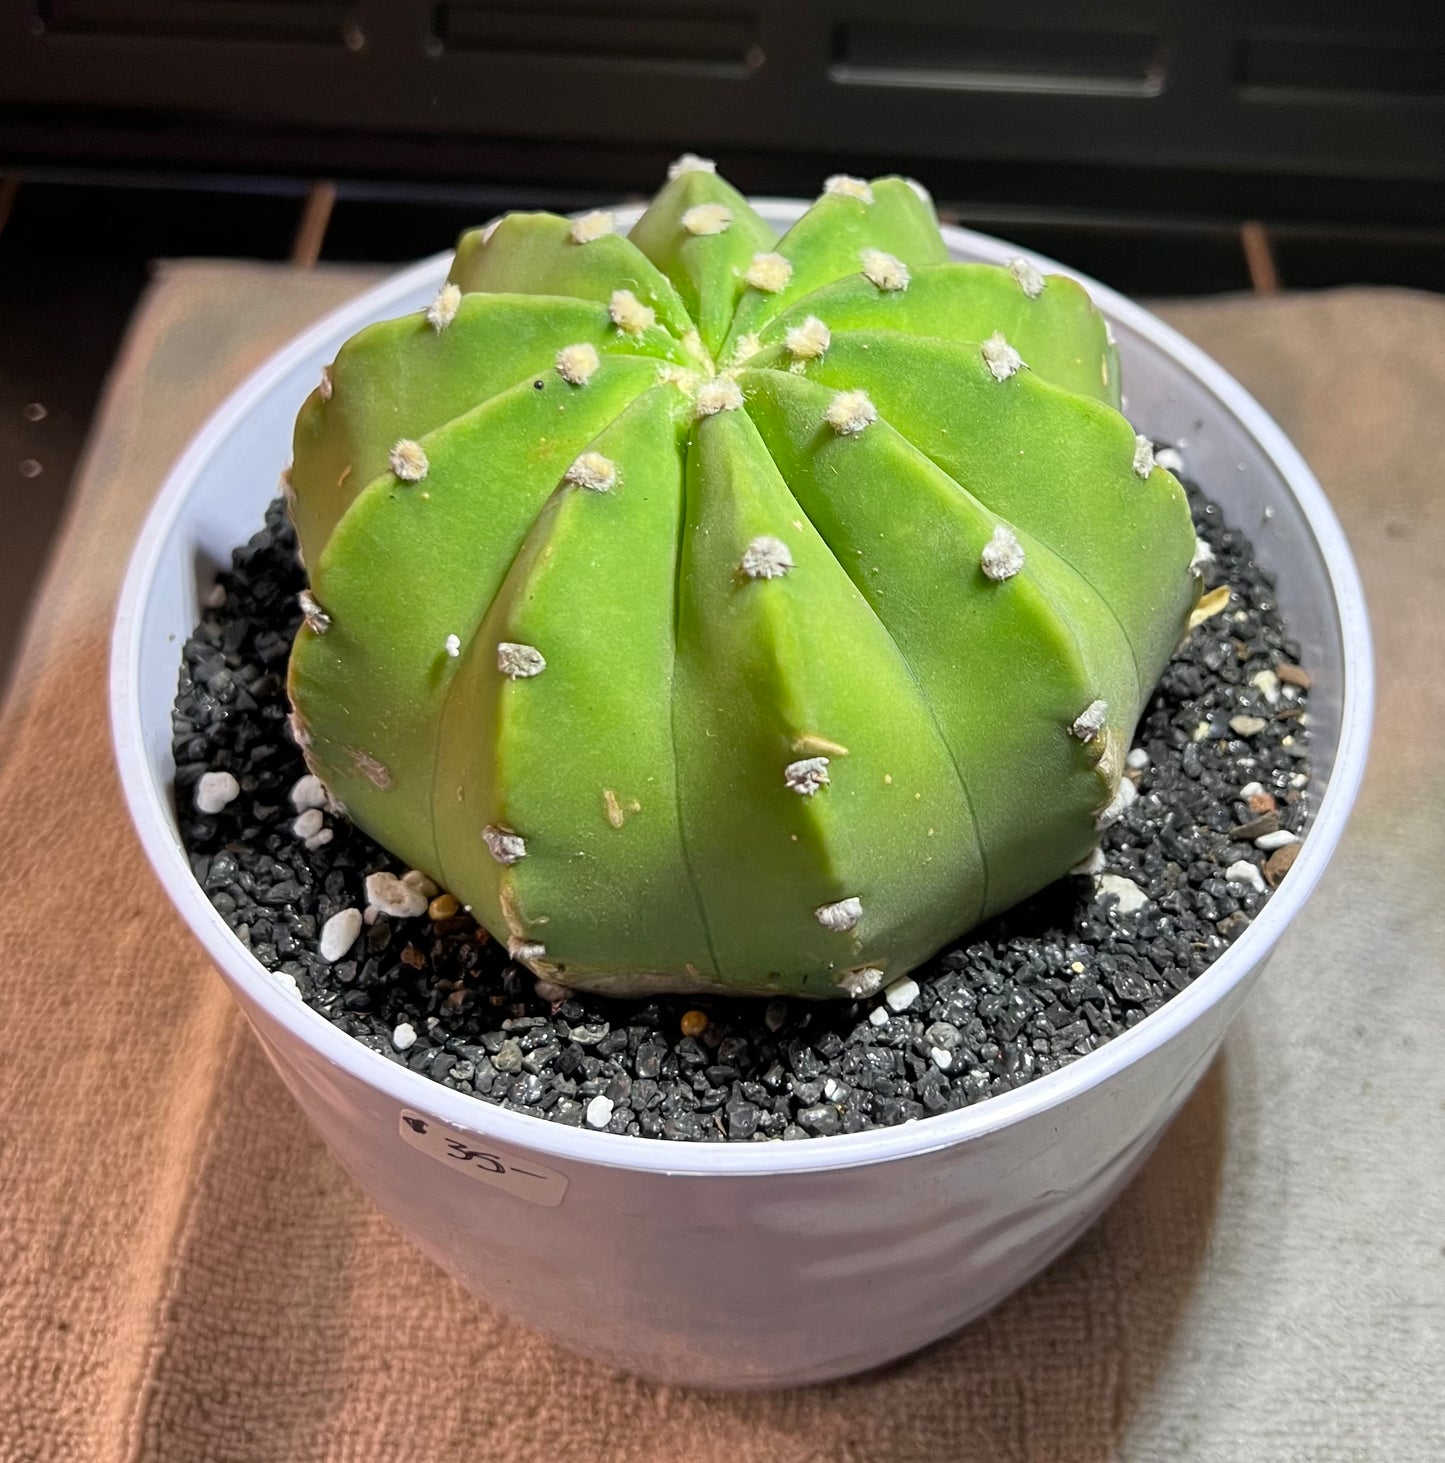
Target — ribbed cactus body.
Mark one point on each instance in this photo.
(710, 611)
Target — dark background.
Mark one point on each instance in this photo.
(1164, 146)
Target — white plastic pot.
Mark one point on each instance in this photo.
(747, 1265)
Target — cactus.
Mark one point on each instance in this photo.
(717, 612)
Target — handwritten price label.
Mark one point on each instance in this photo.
(482, 1160)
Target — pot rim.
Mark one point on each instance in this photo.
(147, 802)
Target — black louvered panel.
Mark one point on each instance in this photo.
(313, 22)
(1355, 64)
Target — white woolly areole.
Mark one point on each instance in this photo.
(1003, 554)
(690, 162)
(629, 313)
(317, 620)
(408, 461)
(1027, 275)
(325, 387)
(443, 310)
(840, 916)
(504, 845)
(744, 349)
(593, 471)
(884, 270)
(576, 363)
(525, 950)
(1203, 554)
(867, 980)
(520, 662)
(849, 412)
(842, 185)
(595, 225)
(766, 558)
(453, 646)
(673, 375)
(722, 393)
(805, 777)
(1090, 721)
(1143, 456)
(808, 341)
(1000, 357)
(768, 272)
(707, 218)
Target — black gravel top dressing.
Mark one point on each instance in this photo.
(1037, 988)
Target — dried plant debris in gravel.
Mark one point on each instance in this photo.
(1220, 767)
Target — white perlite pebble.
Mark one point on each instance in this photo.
(319, 840)
(808, 341)
(1143, 456)
(1003, 554)
(404, 1037)
(1268, 684)
(901, 994)
(766, 558)
(805, 777)
(453, 646)
(1251, 790)
(849, 412)
(884, 271)
(864, 981)
(317, 620)
(520, 662)
(576, 363)
(308, 792)
(1000, 357)
(595, 225)
(1130, 896)
(415, 879)
(504, 845)
(408, 461)
(841, 916)
(690, 162)
(941, 1059)
(1090, 721)
(878, 1016)
(308, 824)
(287, 982)
(707, 218)
(339, 934)
(216, 790)
(721, 393)
(1280, 838)
(1247, 726)
(629, 314)
(388, 895)
(769, 273)
(1124, 796)
(1138, 759)
(1169, 459)
(842, 185)
(599, 1111)
(443, 310)
(1029, 280)
(1245, 873)
(593, 471)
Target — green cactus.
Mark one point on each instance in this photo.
(717, 612)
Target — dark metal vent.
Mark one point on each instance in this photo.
(314, 22)
(1362, 66)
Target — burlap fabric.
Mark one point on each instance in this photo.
(185, 1274)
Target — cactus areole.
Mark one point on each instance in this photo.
(713, 611)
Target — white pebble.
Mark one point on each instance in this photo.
(1251, 790)
(599, 1111)
(319, 840)
(1130, 896)
(1245, 873)
(404, 1037)
(1281, 838)
(1169, 459)
(308, 824)
(287, 982)
(941, 1059)
(1138, 759)
(415, 879)
(1247, 726)
(1268, 683)
(215, 791)
(1299, 779)
(339, 933)
(901, 994)
(878, 1016)
(308, 792)
(387, 894)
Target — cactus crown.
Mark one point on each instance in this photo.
(714, 611)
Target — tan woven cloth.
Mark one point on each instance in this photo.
(185, 1274)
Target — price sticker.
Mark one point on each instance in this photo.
(483, 1160)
